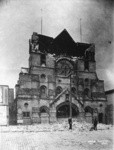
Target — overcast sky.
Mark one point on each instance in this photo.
(20, 18)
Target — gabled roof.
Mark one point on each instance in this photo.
(45, 40)
(63, 44)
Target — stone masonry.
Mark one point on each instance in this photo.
(61, 81)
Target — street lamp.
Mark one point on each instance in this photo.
(70, 106)
(70, 99)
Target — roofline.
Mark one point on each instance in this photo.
(4, 85)
(66, 32)
(46, 36)
(109, 91)
(84, 43)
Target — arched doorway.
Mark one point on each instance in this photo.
(63, 110)
(88, 114)
(100, 115)
(44, 114)
(44, 109)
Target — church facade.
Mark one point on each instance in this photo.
(61, 81)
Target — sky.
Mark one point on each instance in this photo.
(20, 18)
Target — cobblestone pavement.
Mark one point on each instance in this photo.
(56, 140)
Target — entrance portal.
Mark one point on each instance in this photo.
(63, 110)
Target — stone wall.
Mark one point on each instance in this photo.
(110, 107)
(29, 89)
(34, 60)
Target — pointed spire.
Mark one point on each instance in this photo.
(80, 31)
(41, 21)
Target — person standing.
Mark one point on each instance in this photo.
(70, 123)
(95, 119)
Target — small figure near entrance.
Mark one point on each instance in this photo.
(95, 119)
(70, 122)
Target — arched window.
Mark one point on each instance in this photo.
(86, 81)
(73, 90)
(101, 105)
(44, 109)
(86, 92)
(43, 91)
(43, 76)
(26, 112)
(26, 105)
(58, 90)
(88, 109)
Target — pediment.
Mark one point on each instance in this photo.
(67, 91)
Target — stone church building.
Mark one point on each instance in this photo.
(61, 81)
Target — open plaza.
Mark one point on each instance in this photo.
(56, 136)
